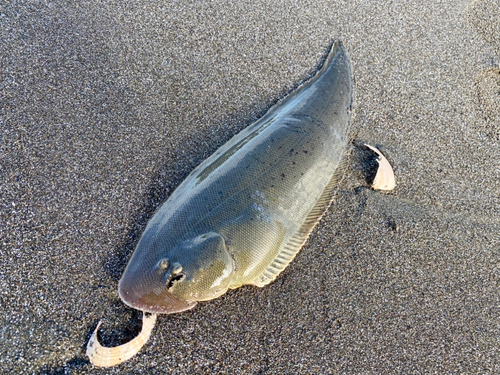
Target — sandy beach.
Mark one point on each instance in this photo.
(105, 107)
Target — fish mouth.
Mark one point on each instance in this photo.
(151, 302)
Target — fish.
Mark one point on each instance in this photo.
(244, 213)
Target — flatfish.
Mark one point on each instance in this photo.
(244, 213)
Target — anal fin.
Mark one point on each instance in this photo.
(289, 250)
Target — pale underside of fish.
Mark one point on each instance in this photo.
(244, 213)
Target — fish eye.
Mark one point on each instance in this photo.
(176, 269)
(163, 264)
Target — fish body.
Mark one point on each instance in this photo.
(243, 214)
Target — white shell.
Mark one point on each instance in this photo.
(106, 357)
(384, 179)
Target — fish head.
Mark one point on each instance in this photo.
(173, 280)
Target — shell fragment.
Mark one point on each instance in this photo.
(384, 179)
(106, 357)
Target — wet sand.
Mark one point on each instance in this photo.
(106, 107)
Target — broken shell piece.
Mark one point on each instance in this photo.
(384, 179)
(107, 357)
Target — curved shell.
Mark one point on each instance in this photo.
(106, 357)
(384, 179)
